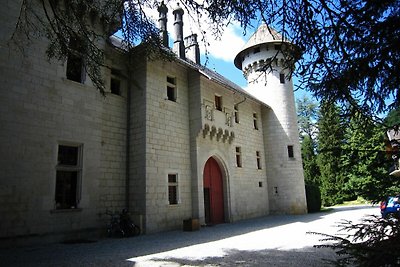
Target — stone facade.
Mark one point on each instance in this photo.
(143, 147)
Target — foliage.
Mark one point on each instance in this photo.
(307, 113)
(374, 241)
(310, 166)
(330, 141)
(351, 48)
(364, 160)
(89, 23)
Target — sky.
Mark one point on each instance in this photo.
(221, 51)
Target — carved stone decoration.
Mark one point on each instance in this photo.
(208, 110)
(228, 117)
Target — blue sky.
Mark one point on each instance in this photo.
(221, 51)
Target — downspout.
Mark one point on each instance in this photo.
(128, 141)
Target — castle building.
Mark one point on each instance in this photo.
(170, 141)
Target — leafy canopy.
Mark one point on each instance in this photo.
(351, 49)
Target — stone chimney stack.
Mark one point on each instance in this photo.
(179, 47)
(162, 20)
(192, 48)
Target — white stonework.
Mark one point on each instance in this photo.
(131, 141)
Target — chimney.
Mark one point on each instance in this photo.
(192, 48)
(179, 47)
(162, 20)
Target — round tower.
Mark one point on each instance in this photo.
(264, 66)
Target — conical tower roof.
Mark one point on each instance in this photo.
(264, 34)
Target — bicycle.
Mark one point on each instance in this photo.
(121, 225)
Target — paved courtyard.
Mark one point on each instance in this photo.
(279, 240)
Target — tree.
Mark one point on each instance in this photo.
(330, 141)
(364, 160)
(351, 48)
(307, 112)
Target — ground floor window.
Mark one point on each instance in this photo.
(68, 176)
(173, 189)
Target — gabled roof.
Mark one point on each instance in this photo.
(118, 43)
(218, 78)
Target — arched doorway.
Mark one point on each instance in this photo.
(213, 193)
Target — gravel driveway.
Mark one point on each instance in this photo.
(278, 240)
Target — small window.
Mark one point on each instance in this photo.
(282, 77)
(75, 66)
(255, 122)
(236, 113)
(171, 89)
(115, 86)
(238, 157)
(258, 157)
(173, 189)
(218, 102)
(68, 176)
(116, 81)
(290, 151)
(257, 50)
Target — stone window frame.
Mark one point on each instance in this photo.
(236, 113)
(173, 188)
(116, 79)
(171, 87)
(75, 59)
(68, 170)
(255, 120)
(258, 160)
(290, 151)
(238, 157)
(218, 104)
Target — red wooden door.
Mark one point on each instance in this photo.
(213, 193)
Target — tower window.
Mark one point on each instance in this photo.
(290, 151)
(238, 157)
(258, 157)
(257, 50)
(282, 77)
(171, 89)
(218, 102)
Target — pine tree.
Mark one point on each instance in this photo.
(331, 135)
(364, 159)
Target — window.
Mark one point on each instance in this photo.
(218, 102)
(290, 151)
(238, 157)
(282, 77)
(255, 123)
(258, 157)
(236, 113)
(75, 66)
(173, 189)
(256, 50)
(68, 176)
(115, 83)
(171, 88)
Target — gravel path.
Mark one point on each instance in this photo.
(279, 240)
